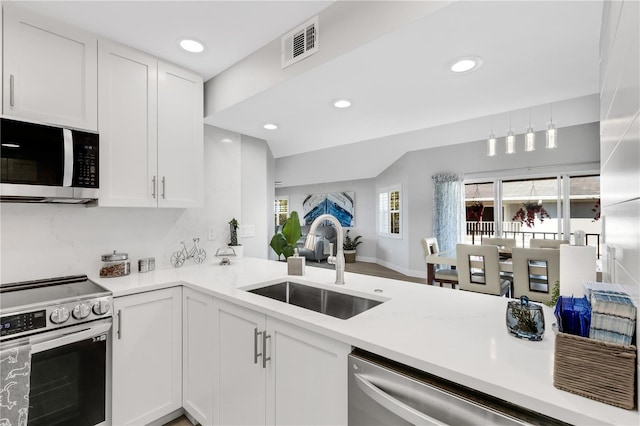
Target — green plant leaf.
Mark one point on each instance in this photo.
(291, 230)
(278, 244)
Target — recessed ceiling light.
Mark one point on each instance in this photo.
(270, 126)
(466, 64)
(342, 103)
(226, 140)
(192, 46)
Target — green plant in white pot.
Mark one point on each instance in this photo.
(349, 246)
(284, 242)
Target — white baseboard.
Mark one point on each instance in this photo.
(407, 272)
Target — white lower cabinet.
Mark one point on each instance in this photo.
(270, 372)
(147, 356)
(198, 348)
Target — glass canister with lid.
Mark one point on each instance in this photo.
(115, 265)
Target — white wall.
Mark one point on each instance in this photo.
(46, 240)
(364, 205)
(257, 197)
(620, 147)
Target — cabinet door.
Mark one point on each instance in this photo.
(128, 126)
(307, 377)
(50, 71)
(198, 351)
(147, 356)
(180, 137)
(239, 394)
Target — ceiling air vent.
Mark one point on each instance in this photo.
(299, 43)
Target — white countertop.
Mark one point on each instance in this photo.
(460, 336)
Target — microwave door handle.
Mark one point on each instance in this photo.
(397, 407)
(64, 337)
(67, 178)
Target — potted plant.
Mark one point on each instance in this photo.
(527, 214)
(349, 247)
(596, 210)
(233, 237)
(284, 242)
(476, 209)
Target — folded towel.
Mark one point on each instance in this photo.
(15, 374)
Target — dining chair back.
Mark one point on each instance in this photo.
(441, 275)
(507, 243)
(543, 243)
(535, 271)
(479, 269)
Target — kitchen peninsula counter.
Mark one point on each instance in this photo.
(459, 336)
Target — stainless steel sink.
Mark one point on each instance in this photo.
(339, 305)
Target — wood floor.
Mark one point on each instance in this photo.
(374, 269)
(180, 421)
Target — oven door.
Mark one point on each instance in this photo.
(71, 376)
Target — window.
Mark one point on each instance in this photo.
(281, 210)
(389, 213)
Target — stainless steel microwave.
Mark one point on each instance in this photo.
(41, 163)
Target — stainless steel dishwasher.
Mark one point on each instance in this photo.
(383, 392)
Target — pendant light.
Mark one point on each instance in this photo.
(491, 142)
(552, 132)
(530, 137)
(510, 140)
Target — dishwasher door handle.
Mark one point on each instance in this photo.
(397, 407)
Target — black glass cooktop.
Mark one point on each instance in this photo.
(48, 292)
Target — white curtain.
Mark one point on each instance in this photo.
(448, 210)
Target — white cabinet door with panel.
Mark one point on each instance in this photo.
(128, 126)
(197, 352)
(49, 71)
(271, 372)
(180, 137)
(147, 356)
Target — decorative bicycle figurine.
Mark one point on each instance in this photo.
(179, 257)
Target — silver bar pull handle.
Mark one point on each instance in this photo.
(153, 187)
(11, 88)
(256, 355)
(67, 177)
(265, 358)
(394, 405)
(119, 332)
(164, 187)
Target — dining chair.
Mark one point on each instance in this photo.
(504, 244)
(479, 270)
(535, 271)
(543, 243)
(442, 275)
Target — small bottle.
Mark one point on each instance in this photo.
(115, 265)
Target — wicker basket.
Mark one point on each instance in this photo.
(597, 370)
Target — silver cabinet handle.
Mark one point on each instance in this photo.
(153, 187)
(11, 85)
(164, 187)
(119, 332)
(397, 407)
(265, 358)
(256, 355)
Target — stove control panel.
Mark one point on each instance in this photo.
(19, 323)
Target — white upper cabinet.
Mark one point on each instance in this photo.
(49, 71)
(180, 137)
(151, 131)
(128, 126)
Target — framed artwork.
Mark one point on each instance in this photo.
(338, 204)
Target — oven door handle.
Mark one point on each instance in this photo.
(66, 337)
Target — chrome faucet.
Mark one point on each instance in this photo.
(338, 259)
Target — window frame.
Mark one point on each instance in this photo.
(387, 210)
(276, 214)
